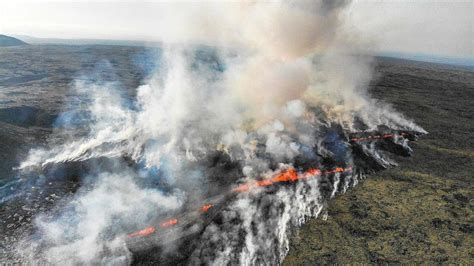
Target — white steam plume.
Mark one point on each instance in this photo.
(84, 231)
(289, 52)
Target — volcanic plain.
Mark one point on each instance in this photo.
(421, 211)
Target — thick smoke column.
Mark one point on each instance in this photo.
(291, 56)
(277, 82)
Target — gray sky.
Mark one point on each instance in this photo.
(443, 28)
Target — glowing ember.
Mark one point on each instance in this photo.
(312, 172)
(241, 188)
(144, 232)
(264, 183)
(206, 207)
(169, 223)
(384, 136)
(285, 176)
(336, 170)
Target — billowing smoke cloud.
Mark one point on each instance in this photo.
(84, 231)
(278, 74)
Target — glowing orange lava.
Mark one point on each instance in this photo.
(241, 188)
(206, 207)
(311, 172)
(169, 223)
(288, 175)
(384, 136)
(144, 232)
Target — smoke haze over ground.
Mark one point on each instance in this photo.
(281, 83)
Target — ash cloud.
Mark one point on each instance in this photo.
(277, 76)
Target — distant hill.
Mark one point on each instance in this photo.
(457, 61)
(10, 41)
(59, 41)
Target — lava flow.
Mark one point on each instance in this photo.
(288, 175)
(332, 174)
(375, 137)
(285, 176)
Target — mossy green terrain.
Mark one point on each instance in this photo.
(421, 211)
